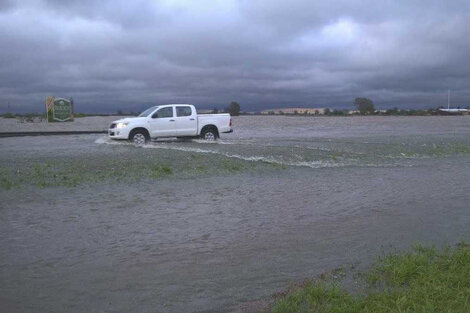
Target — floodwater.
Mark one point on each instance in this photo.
(342, 191)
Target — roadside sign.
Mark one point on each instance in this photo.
(59, 109)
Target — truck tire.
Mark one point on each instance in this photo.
(139, 137)
(209, 134)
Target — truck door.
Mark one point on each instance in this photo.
(162, 123)
(186, 121)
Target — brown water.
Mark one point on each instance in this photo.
(349, 188)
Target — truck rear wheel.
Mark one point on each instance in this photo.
(209, 134)
(139, 137)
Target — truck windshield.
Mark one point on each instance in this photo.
(148, 111)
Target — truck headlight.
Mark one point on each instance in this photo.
(121, 125)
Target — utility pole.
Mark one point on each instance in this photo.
(448, 99)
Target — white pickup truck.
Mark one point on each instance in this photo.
(170, 120)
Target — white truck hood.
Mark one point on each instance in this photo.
(130, 120)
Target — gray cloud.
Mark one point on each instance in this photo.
(111, 55)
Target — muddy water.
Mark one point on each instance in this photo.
(342, 190)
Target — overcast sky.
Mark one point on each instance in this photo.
(122, 54)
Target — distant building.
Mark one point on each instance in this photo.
(457, 111)
(299, 111)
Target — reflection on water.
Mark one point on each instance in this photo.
(351, 187)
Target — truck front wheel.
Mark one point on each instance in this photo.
(139, 137)
(209, 134)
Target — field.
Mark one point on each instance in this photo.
(90, 224)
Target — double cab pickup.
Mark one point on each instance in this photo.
(170, 120)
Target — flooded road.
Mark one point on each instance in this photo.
(280, 200)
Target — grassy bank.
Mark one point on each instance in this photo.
(138, 165)
(424, 280)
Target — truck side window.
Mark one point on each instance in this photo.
(164, 112)
(183, 111)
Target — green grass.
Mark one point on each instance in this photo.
(8, 115)
(71, 174)
(45, 172)
(422, 281)
(5, 183)
(160, 170)
(79, 115)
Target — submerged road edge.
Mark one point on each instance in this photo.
(51, 133)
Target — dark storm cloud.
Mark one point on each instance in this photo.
(111, 55)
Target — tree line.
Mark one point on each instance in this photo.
(233, 108)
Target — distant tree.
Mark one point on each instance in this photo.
(364, 105)
(393, 111)
(233, 108)
(9, 115)
(338, 112)
(327, 111)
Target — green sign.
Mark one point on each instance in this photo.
(59, 109)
